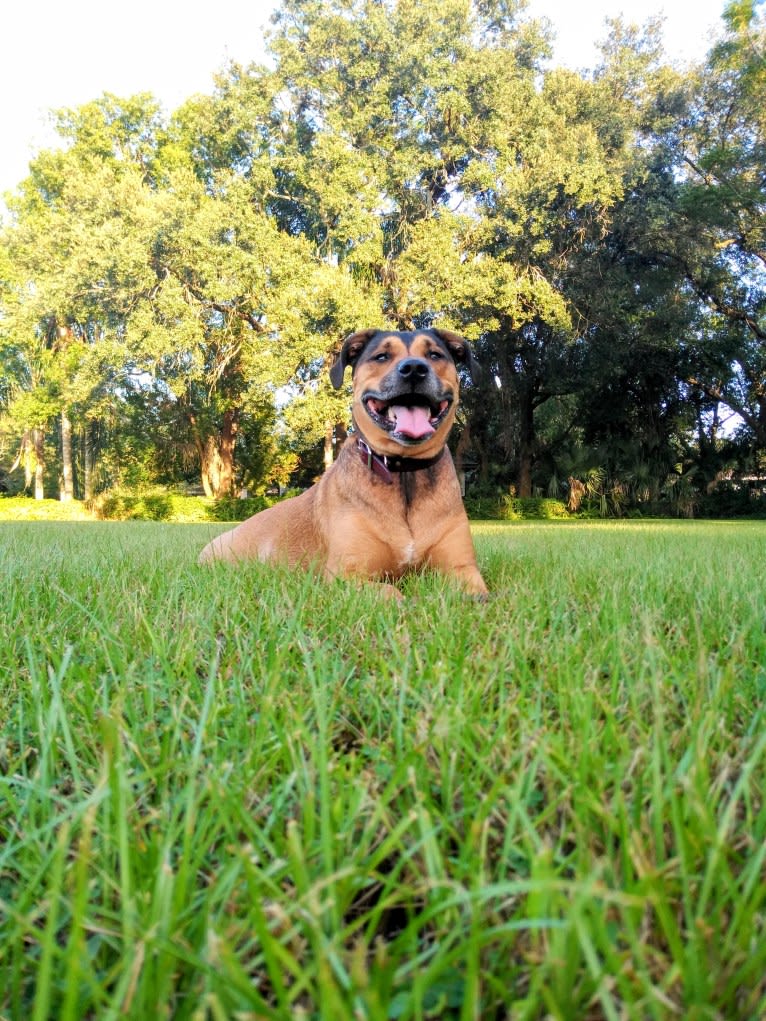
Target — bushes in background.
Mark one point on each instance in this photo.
(154, 504)
(23, 508)
(729, 501)
(148, 505)
(231, 508)
(160, 505)
(515, 508)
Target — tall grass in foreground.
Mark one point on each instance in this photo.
(241, 793)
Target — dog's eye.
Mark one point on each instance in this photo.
(435, 355)
(382, 357)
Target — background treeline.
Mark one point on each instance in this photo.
(171, 287)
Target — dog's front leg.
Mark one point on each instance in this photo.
(356, 554)
(454, 555)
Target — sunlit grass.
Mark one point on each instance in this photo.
(242, 793)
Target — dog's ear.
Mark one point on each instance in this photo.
(353, 346)
(461, 351)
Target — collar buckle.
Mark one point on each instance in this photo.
(376, 463)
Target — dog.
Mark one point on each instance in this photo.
(391, 502)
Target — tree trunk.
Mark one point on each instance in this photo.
(205, 478)
(463, 445)
(38, 448)
(334, 438)
(67, 477)
(216, 455)
(26, 455)
(526, 444)
(88, 461)
(328, 446)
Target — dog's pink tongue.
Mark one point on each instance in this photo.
(412, 422)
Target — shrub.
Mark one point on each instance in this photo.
(190, 510)
(158, 504)
(152, 505)
(536, 508)
(125, 504)
(25, 508)
(515, 508)
(484, 507)
(728, 501)
(231, 508)
(132, 505)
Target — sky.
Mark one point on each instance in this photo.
(62, 54)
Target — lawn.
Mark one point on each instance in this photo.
(238, 793)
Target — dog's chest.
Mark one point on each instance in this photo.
(401, 548)
(409, 555)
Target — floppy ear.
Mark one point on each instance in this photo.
(353, 346)
(461, 352)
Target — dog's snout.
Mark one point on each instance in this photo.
(414, 370)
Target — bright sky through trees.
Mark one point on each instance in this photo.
(54, 54)
(606, 258)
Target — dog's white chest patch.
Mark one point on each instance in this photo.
(408, 553)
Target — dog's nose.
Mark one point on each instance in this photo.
(413, 369)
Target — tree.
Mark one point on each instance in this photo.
(75, 251)
(492, 179)
(719, 230)
(405, 162)
(119, 238)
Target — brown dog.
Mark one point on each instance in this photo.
(391, 503)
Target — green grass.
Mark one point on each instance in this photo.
(240, 793)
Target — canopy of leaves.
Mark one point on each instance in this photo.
(598, 235)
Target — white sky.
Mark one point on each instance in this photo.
(62, 53)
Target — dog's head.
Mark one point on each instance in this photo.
(405, 386)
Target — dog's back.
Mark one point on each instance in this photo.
(284, 533)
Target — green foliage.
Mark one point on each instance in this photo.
(484, 508)
(126, 270)
(130, 505)
(720, 220)
(172, 288)
(159, 504)
(23, 508)
(234, 509)
(503, 507)
(137, 504)
(730, 501)
(241, 791)
(533, 508)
